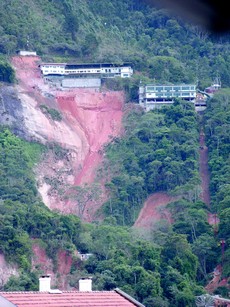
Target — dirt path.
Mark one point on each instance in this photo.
(154, 210)
(204, 172)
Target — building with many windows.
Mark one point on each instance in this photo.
(154, 96)
(102, 70)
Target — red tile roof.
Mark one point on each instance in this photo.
(113, 298)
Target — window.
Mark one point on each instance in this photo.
(159, 88)
(176, 88)
(150, 88)
(185, 88)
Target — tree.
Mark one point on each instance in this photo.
(90, 45)
(71, 20)
(84, 195)
(7, 73)
(178, 253)
(204, 248)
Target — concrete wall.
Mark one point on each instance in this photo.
(82, 82)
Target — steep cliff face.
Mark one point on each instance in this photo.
(89, 118)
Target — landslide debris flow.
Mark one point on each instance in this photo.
(90, 118)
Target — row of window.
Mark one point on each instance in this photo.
(173, 95)
(171, 88)
(77, 70)
(80, 71)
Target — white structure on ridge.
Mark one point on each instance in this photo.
(106, 70)
(27, 53)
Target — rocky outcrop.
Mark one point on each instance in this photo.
(11, 112)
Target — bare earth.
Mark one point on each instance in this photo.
(154, 210)
(89, 119)
(204, 173)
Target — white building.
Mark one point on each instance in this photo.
(106, 70)
(27, 53)
(52, 69)
(154, 96)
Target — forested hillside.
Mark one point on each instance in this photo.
(158, 153)
(171, 263)
(217, 118)
(158, 45)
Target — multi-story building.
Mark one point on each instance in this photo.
(154, 96)
(102, 70)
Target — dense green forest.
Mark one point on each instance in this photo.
(159, 46)
(159, 151)
(168, 269)
(119, 259)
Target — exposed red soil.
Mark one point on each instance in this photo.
(89, 119)
(204, 172)
(99, 115)
(213, 219)
(213, 284)
(45, 264)
(40, 258)
(154, 210)
(217, 281)
(205, 179)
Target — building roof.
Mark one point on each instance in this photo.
(87, 65)
(116, 298)
(50, 64)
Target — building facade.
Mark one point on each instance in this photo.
(106, 70)
(154, 96)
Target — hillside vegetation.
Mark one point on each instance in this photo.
(159, 46)
(159, 151)
(217, 118)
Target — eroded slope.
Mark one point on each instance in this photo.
(89, 119)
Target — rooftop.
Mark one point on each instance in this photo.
(116, 298)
